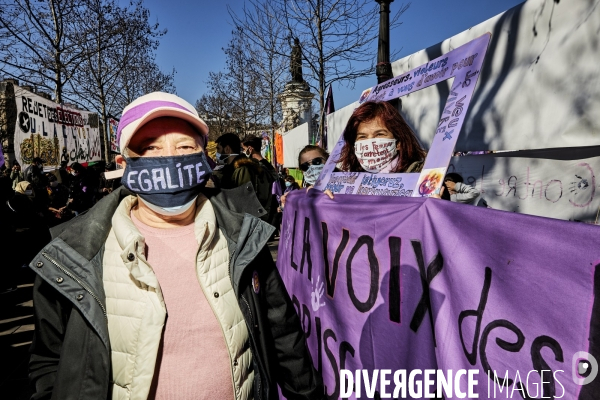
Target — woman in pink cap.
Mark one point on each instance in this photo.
(165, 288)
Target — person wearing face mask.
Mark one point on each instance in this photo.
(228, 148)
(34, 173)
(82, 188)
(241, 169)
(251, 147)
(290, 184)
(378, 140)
(164, 243)
(311, 161)
(26, 189)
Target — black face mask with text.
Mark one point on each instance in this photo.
(167, 182)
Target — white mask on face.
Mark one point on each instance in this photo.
(28, 192)
(375, 154)
(222, 157)
(169, 211)
(312, 173)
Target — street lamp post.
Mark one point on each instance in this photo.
(384, 67)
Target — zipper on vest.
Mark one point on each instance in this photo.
(83, 285)
(249, 310)
(230, 261)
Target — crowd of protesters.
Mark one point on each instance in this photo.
(57, 195)
(35, 199)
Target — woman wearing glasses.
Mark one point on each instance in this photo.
(378, 139)
(311, 161)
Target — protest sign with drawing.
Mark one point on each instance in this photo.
(463, 65)
(54, 132)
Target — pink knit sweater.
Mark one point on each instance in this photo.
(193, 362)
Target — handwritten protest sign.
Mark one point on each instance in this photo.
(422, 284)
(564, 189)
(463, 65)
(54, 132)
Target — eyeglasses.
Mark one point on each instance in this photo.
(315, 161)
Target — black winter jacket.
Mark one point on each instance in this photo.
(70, 353)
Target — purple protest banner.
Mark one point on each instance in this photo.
(463, 65)
(385, 283)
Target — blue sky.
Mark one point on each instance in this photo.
(198, 30)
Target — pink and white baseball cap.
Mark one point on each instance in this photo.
(155, 105)
(149, 107)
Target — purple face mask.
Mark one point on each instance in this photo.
(167, 182)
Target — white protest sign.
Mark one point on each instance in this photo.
(547, 188)
(53, 132)
(294, 140)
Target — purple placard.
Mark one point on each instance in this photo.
(370, 276)
(464, 65)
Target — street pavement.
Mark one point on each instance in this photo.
(16, 333)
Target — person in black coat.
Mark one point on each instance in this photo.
(23, 234)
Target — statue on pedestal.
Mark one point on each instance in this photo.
(296, 62)
(296, 97)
